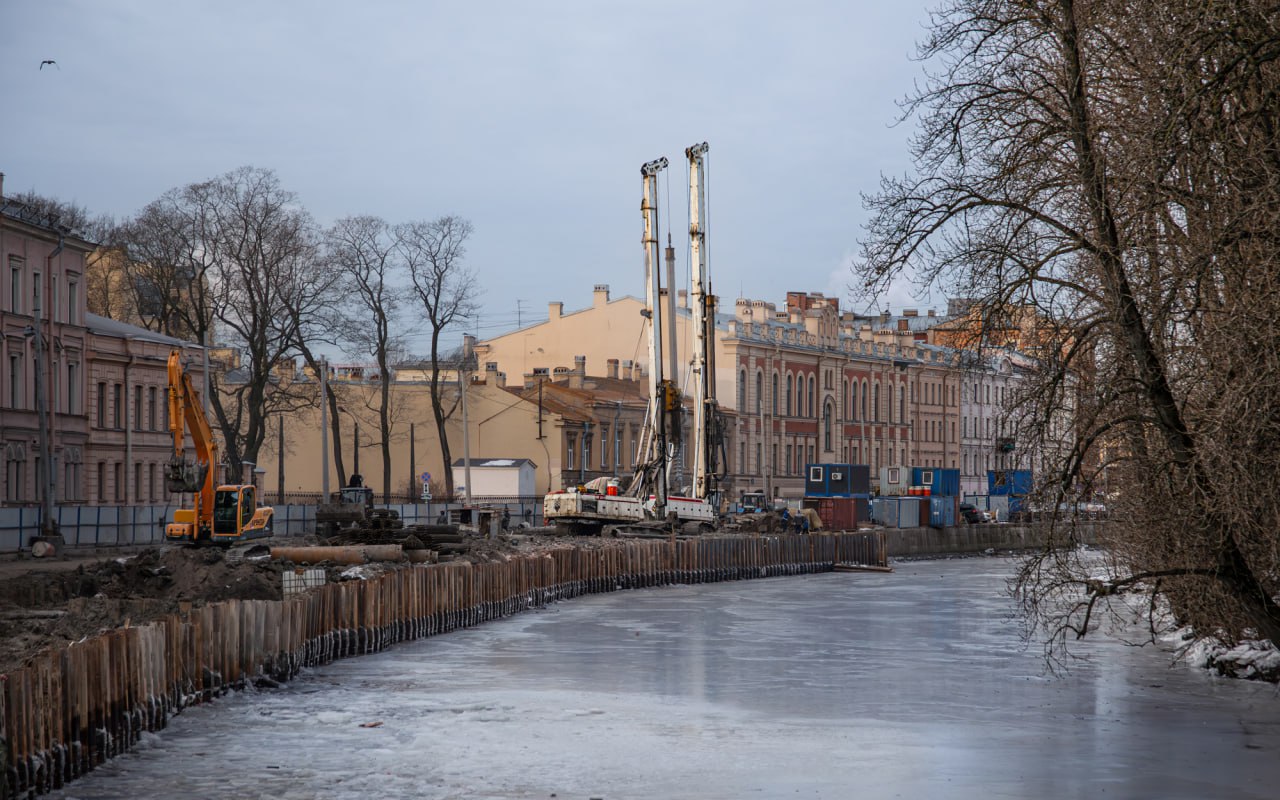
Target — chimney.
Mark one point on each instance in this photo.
(580, 365)
(554, 310)
(933, 313)
(1, 185)
(611, 368)
(910, 312)
(468, 346)
(904, 325)
(500, 378)
(600, 295)
(683, 298)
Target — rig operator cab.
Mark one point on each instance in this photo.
(227, 514)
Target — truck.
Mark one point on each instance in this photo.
(225, 514)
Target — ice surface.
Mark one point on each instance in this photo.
(913, 684)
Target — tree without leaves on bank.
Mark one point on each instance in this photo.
(1111, 168)
(364, 252)
(236, 257)
(433, 252)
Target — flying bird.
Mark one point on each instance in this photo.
(49, 61)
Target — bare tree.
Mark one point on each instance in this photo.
(364, 252)
(1109, 168)
(234, 259)
(433, 253)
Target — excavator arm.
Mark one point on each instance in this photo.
(181, 473)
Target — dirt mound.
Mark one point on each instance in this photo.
(41, 608)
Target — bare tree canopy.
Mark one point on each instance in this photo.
(433, 253)
(1110, 167)
(233, 261)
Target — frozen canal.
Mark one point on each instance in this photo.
(908, 685)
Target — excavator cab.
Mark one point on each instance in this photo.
(236, 514)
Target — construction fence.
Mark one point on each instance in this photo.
(125, 526)
(74, 707)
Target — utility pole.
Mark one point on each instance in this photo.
(280, 463)
(49, 534)
(324, 430)
(467, 344)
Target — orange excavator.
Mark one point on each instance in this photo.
(228, 515)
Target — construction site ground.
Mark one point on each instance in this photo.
(47, 602)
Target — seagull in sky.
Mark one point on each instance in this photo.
(49, 61)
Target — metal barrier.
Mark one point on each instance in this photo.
(124, 526)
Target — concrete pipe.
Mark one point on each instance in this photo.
(349, 554)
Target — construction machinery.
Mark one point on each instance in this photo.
(227, 514)
(603, 505)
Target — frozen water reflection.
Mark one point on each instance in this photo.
(907, 685)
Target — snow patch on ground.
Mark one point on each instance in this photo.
(1252, 660)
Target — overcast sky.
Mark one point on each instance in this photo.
(531, 119)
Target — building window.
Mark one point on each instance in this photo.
(151, 483)
(102, 405)
(827, 413)
(118, 475)
(73, 301)
(774, 459)
(902, 404)
(151, 408)
(102, 481)
(788, 465)
(15, 380)
(848, 407)
(812, 399)
(73, 387)
(799, 395)
(137, 408)
(875, 402)
(759, 460)
(790, 394)
(15, 284)
(137, 481)
(759, 392)
(742, 390)
(117, 407)
(773, 396)
(571, 451)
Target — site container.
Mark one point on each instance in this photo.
(885, 511)
(908, 512)
(940, 481)
(836, 513)
(943, 511)
(981, 502)
(895, 480)
(836, 480)
(1009, 482)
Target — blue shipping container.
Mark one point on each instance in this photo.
(940, 481)
(1009, 481)
(942, 511)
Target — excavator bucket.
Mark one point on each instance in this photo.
(184, 476)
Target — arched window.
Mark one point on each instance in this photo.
(759, 391)
(791, 393)
(774, 395)
(828, 411)
(853, 404)
(864, 401)
(799, 395)
(902, 404)
(875, 401)
(812, 399)
(848, 408)
(742, 391)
